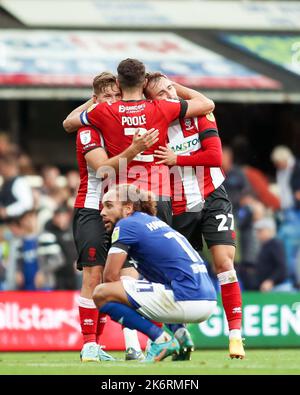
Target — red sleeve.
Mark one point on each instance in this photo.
(93, 115)
(172, 108)
(88, 139)
(207, 122)
(209, 155)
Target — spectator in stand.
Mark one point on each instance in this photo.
(39, 255)
(25, 164)
(237, 186)
(260, 185)
(48, 203)
(3, 257)
(288, 180)
(61, 227)
(269, 271)
(73, 182)
(288, 177)
(6, 145)
(14, 239)
(257, 180)
(250, 210)
(15, 194)
(50, 175)
(235, 183)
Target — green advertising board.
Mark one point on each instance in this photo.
(269, 320)
(283, 50)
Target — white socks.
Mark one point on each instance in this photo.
(179, 333)
(86, 303)
(227, 277)
(163, 338)
(131, 339)
(235, 334)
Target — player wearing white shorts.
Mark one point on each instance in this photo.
(200, 204)
(176, 287)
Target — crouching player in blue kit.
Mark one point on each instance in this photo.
(176, 287)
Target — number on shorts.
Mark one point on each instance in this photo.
(222, 226)
(144, 286)
(186, 247)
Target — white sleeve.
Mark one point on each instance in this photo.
(116, 250)
(23, 194)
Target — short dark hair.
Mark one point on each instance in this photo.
(131, 73)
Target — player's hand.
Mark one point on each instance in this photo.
(141, 142)
(166, 156)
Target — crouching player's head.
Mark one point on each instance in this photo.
(122, 201)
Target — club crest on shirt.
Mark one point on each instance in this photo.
(92, 107)
(115, 235)
(188, 124)
(85, 137)
(210, 117)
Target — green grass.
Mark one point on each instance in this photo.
(203, 363)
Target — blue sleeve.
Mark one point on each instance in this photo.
(125, 232)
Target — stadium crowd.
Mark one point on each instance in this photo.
(37, 250)
(37, 247)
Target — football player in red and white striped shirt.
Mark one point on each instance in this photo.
(119, 121)
(200, 202)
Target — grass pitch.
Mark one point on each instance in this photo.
(257, 362)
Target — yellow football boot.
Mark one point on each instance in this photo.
(236, 348)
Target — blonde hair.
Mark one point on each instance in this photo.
(102, 81)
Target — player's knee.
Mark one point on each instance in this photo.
(130, 272)
(91, 280)
(100, 295)
(223, 258)
(224, 264)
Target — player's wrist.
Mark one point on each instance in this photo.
(134, 149)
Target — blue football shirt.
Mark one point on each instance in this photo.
(164, 256)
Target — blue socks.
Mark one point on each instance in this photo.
(129, 318)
